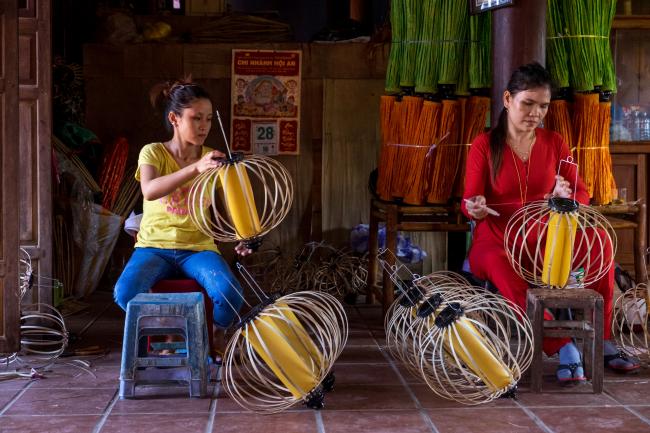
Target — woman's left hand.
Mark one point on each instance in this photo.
(241, 249)
(562, 188)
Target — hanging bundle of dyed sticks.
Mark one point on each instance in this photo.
(474, 121)
(591, 131)
(437, 48)
(443, 169)
(579, 56)
(112, 171)
(408, 121)
(558, 119)
(397, 45)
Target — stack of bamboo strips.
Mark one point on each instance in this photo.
(112, 171)
(64, 257)
(128, 195)
(86, 177)
(239, 28)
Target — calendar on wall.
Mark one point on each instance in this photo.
(265, 102)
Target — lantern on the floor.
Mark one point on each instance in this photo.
(283, 350)
(559, 243)
(630, 323)
(467, 344)
(243, 199)
(412, 290)
(472, 346)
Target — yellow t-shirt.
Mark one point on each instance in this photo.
(165, 221)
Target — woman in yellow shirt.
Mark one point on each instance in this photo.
(168, 243)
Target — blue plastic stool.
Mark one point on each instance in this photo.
(165, 314)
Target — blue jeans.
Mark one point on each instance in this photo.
(147, 266)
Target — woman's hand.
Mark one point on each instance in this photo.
(562, 188)
(210, 160)
(241, 250)
(476, 207)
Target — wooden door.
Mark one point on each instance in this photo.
(34, 72)
(9, 298)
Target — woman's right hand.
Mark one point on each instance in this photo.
(209, 161)
(476, 207)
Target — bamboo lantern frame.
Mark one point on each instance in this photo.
(630, 323)
(439, 353)
(283, 350)
(525, 242)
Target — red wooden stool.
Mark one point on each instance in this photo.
(187, 286)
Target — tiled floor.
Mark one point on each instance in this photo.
(372, 394)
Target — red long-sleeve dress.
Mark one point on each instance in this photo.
(516, 183)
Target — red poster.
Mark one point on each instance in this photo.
(266, 101)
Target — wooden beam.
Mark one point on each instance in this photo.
(518, 37)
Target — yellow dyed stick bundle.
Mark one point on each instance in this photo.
(558, 253)
(463, 339)
(240, 201)
(278, 350)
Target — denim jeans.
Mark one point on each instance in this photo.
(147, 266)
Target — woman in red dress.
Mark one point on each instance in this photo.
(513, 164)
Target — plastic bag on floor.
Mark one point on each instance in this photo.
(95, 233)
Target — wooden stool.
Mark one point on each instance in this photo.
(165, 314)
(589, 329)
(438, 218)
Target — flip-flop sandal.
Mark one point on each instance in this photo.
(576, 373)
(621, 363)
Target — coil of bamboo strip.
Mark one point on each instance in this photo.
(443, 168)
(408, 122)
(558, 119)
(387, 153)
(427, 131)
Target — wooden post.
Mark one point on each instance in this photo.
(518, 37)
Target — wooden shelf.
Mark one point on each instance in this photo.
(630, 147)
(631, 22)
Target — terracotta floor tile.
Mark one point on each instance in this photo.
(362, 374)
(374, 422)
(629, 392)
(12, 384)
(369, 397)
(644, 411)
(87, 401)
(362, 354)
(483, 419)
(287, 422)
(49, 424)
(62, 376)
(153, 423)
(355, 340)
(227, 404)
(430, 400)
(160, 399)
(591, 420)
(565, 397)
